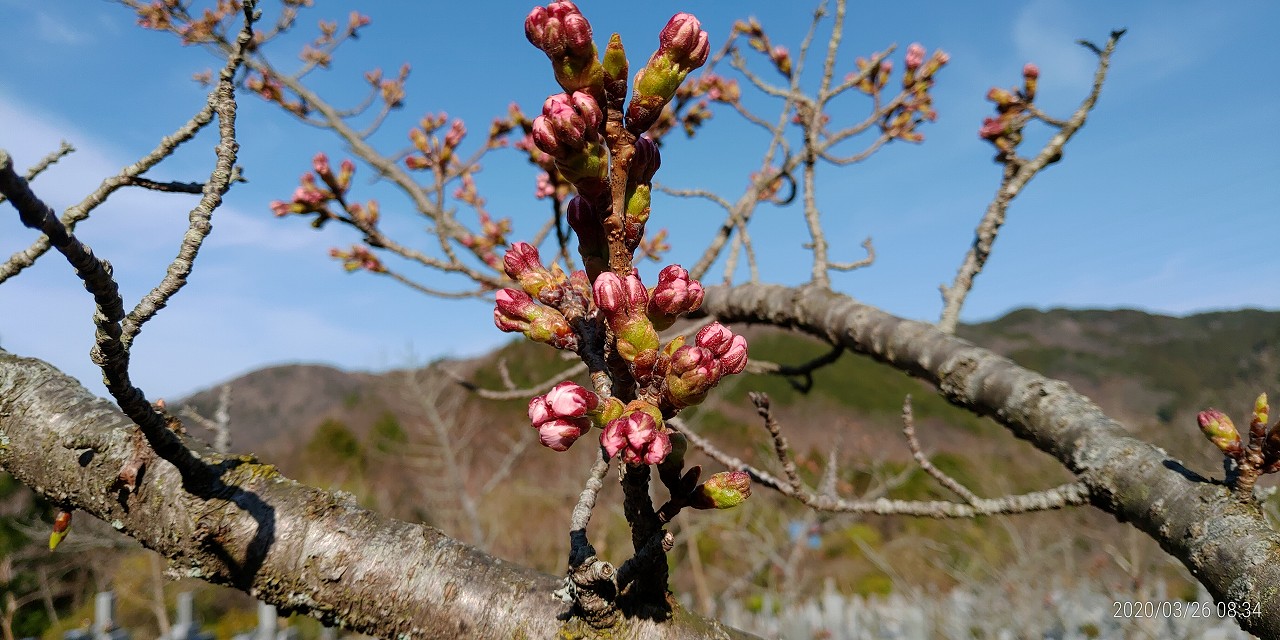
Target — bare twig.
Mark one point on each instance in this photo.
(780, 446)
(223, 102)
(1069, 494)
(909, 431)
(49, 160)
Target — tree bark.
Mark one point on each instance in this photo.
(301, 549)
(1226, 544)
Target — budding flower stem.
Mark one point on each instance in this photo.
(622, 147)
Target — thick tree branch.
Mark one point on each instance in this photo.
(301, 549)
(1225, 543)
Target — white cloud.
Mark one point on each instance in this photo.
(60, 32)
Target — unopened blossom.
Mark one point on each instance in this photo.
(563, 414)
(523, 264)
(682, 47)
(516, 311)
(676, 294)
(915, 56)
(638, 436)
(624, 302)
(729, 348)
(723, 490)
(564, 35)
(1220, 430)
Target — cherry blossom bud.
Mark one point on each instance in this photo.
(563, 33)
(523, 264)
(915, 56)
(714, 337)
(1001, 97)
(560, 434)
(734, 359)
(692, 372)
(559, 28)
(516, 311)
(781, 58)
(991, 129)
(539, 411)
(1030, 70)
(571, 400)
(723, 490)
(568, 131)
(1261, 409)
(1218, 428)
(675, 295)
(609, 293)
(684, 42)
(320, 164)
(639, 436)
(682, 47)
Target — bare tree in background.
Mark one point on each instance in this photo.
(231, 520)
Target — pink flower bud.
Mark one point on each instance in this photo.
(560, 434)
(514, 307)
(991, 129)
(571, 400)
(539, 412)
(613, 437)
(320, 163)
(637, 294)
(1030, 70)
(545, 139)
(638, 436)
(915, 56)
(684, 42)
(609, 293)
(714, 337)
(676, 293)
(723, 490)
(281, 208)
(1218, 428)
(557, 28)
(516, 311)
(586, 107)
(734, 359)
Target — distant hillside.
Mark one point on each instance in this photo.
(415, 444)
(1140, 367)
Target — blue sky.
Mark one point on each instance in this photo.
(1169, 200)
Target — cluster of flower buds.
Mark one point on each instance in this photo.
(547, 301)
(563, 33)
(691, 107)
(566, 412)
(311, 197)
(625, 304)
(682, 47)
(1261, 455)
(433, 152)
(358, 257)
(493, 234)
(902, 122)
(569, 131)
(517, 311)
(639, 434)
(269, 88)
(1005, 130)
(391, 90)
(675, 295)
(694, 369)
